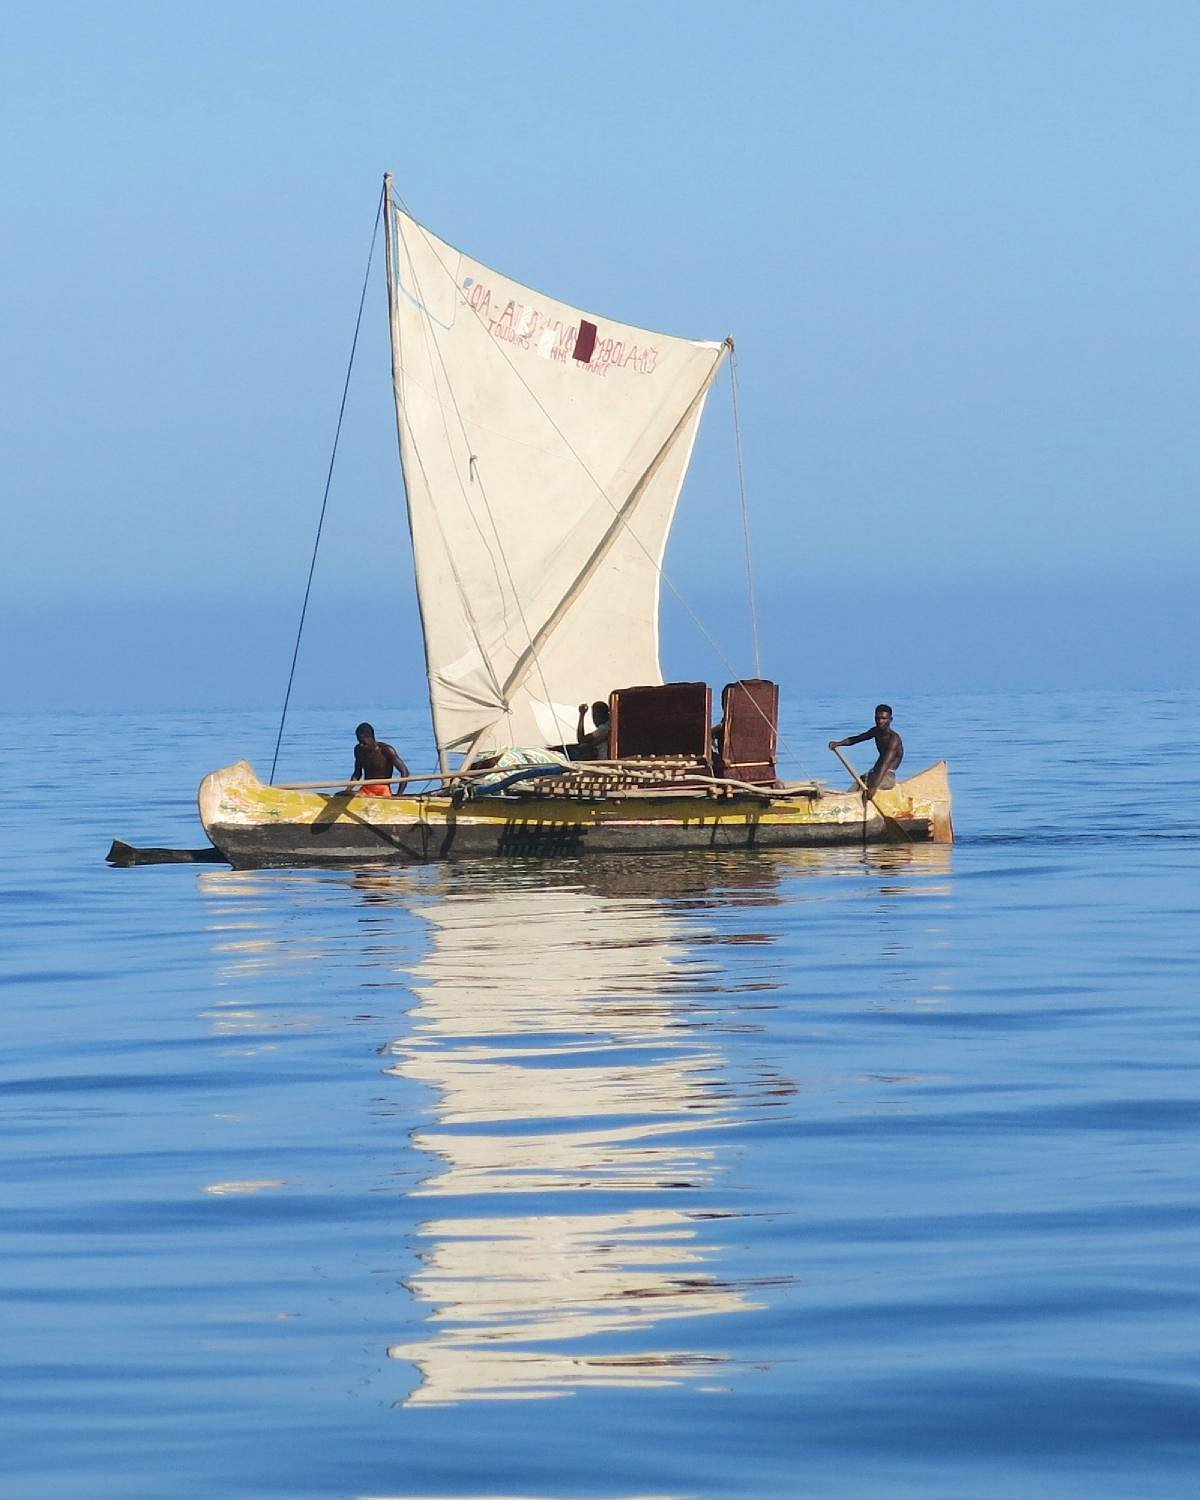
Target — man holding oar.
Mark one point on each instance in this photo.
(889, 749)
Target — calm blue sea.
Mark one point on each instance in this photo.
(846, 1174)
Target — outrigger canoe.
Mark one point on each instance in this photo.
(543, 449)
(254, 824)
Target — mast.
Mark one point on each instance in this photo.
(389, 229)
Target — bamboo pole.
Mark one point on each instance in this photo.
(341, 783)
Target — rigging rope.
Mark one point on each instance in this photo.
(325, 497)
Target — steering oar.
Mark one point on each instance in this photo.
(895, 828)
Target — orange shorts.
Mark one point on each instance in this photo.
(372, 791)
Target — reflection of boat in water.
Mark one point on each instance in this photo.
(544, 450)
(584, 1112)
(518, 1299)
(573, 1192)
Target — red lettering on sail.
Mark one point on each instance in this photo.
(530, 328)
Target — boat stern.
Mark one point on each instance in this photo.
(925, 796)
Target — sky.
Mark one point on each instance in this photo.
(956, 244)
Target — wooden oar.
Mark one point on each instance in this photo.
(891, 824)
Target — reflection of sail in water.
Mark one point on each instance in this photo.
(578, 1078)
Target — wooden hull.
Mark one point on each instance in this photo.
(255, 825)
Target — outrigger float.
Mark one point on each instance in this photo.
(543, 450)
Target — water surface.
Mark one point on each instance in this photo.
(849, 1173)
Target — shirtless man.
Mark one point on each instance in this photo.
(374, 760)
(889, 751)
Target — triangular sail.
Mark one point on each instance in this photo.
(544, 449)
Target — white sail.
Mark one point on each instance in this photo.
(544, 449)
